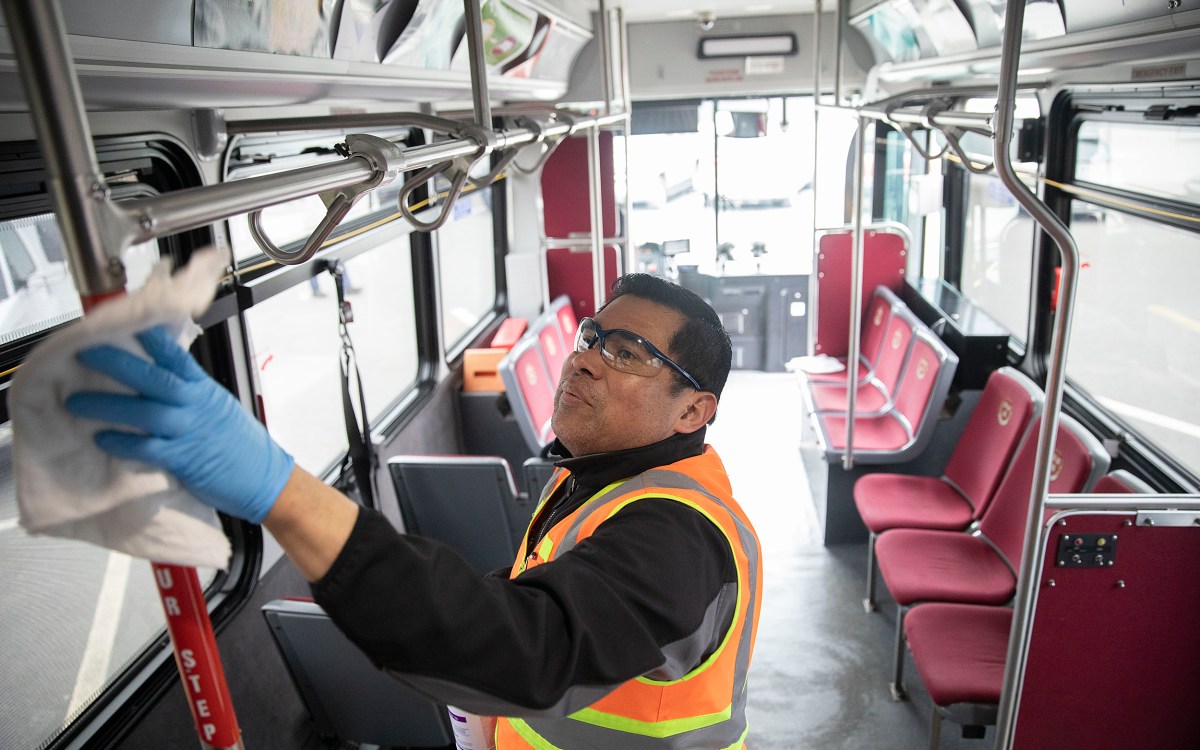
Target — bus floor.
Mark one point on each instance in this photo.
(819, 680)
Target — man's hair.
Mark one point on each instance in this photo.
(701, 345)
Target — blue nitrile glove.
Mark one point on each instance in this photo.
(189, 426)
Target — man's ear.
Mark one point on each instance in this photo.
(698, 410)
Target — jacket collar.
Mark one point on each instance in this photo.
(602, 469)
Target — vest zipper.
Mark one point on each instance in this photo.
(549, 522)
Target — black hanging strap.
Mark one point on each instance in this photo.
(361, 455)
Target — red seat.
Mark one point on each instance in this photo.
(950, 502)
(922, 565)
(530, 391)
(960, 651)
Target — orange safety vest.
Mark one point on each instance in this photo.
(706, 707)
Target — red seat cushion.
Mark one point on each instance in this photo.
(895, 501)
(920, 565)
(879, 433)
(959, 650)
(830, 397)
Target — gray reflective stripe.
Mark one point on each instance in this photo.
(683, 655)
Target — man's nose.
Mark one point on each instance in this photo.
(587, 361)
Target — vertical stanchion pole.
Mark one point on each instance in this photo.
(82, 204)
(843, 9)
(596, 204)
(856, 264)
(1018, 642)
(479, 82)
(812, 275)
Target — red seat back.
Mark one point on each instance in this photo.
(893, 351)
(1008, 403)
(913, 392)
(878, 317)
(1077, 461)
(885, 251)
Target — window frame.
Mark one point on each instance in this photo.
(1068, 112)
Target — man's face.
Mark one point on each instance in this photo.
(599, 409)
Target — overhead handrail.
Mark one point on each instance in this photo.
(1050, 223)
(377, 152)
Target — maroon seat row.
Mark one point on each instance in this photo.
(902, 377)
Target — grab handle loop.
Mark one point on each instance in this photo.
(952, 134)
(551, 145)
(460, 168)
(379, 153)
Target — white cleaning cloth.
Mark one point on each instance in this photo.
(66, 486)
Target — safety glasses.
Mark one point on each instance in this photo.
(626, 351)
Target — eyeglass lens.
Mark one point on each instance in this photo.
(620, 349)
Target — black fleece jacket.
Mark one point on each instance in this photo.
(597, 616)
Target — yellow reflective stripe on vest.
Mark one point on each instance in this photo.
(533, 738)
(538, 742)
(656, 729)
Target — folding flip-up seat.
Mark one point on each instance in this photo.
(468, 502)
(959, 651)
(530, 388)
(980, 566)
(1009, 402)
(346, 696)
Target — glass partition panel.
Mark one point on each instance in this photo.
(997, 253)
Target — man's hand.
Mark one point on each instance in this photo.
(186, 424)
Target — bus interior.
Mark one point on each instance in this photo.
(955, 244)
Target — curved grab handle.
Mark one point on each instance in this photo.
(952, 135)
(908, 131)
(422, 176)
(485, 137)
(550, 146)
(539, 135)
(338, 208)
(380, 153)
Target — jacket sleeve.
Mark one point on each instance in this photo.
(553, 640)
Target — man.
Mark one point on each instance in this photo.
(628, 619)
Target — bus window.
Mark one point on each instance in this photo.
(466, 253)
(296, 348)
(1157, 160)
(36, 288)
(74, 615)
(908, 194)
(1135, 343)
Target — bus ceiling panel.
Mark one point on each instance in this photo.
(663, 62)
